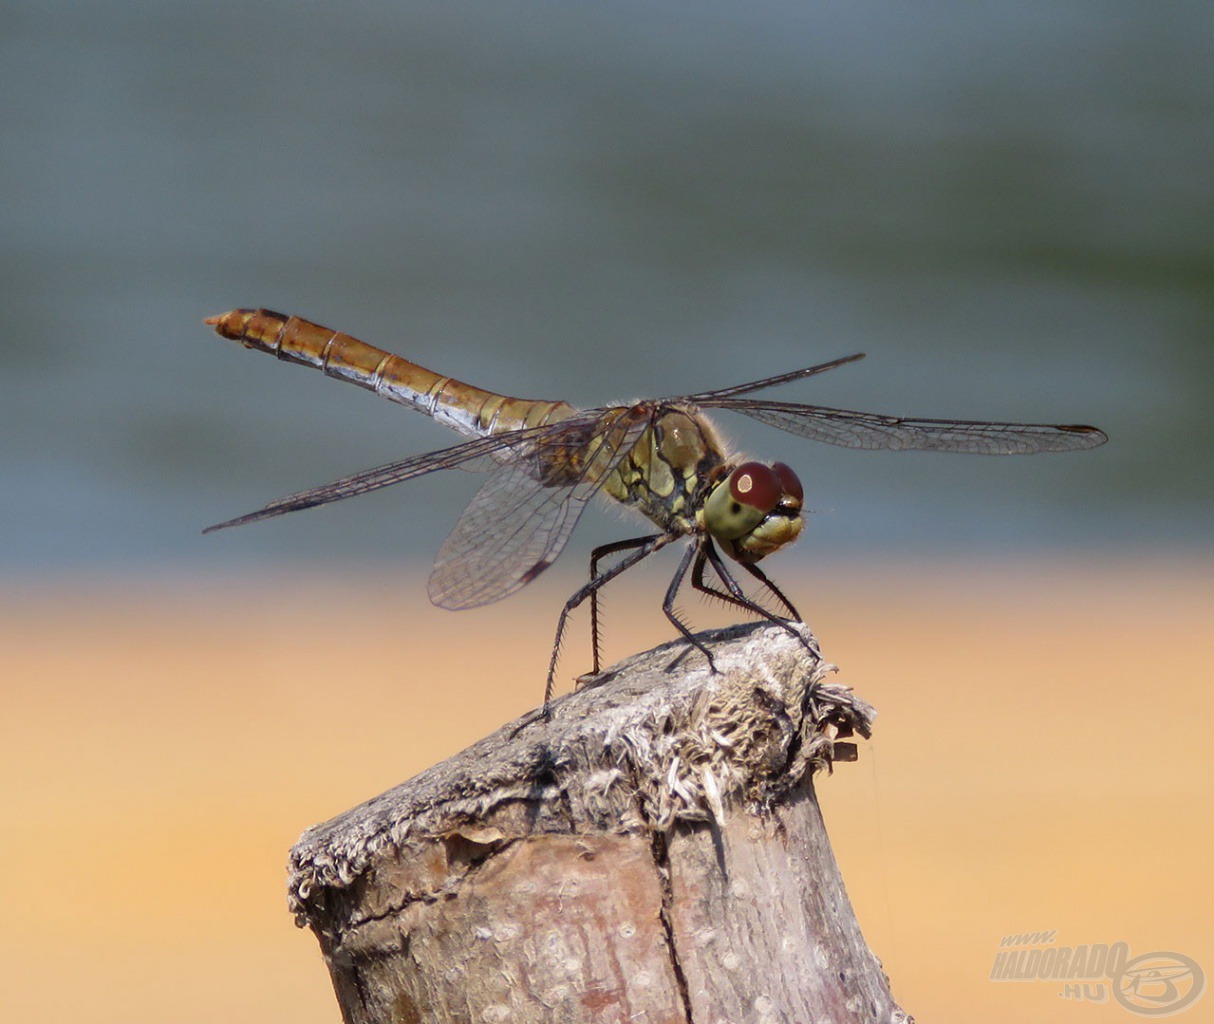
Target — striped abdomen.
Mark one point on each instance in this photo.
(470, 410)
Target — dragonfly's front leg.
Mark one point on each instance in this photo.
(761, 576)
(738, 595)
(704, 587)
(595, 556)
(645, 546)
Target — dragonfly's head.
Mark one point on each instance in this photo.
(754, 510)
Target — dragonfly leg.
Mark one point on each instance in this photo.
(599, 553)
(694, 551)
(761, 576)
(740, 598)
(704, 587)
(646, 547)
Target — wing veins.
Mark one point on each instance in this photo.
(875, 431)
(705, 397)
(492, 550)
(406, 469)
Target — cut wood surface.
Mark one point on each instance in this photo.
(652, 851)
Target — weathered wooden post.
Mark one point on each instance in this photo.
(652, 853)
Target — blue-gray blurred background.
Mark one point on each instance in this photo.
(1009, 207)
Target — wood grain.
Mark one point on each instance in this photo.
(652, 851)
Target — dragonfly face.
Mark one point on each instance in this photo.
(754, 511)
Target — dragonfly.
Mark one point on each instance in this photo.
(663, 457)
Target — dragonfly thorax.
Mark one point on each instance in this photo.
(754, 510)
(669, 469)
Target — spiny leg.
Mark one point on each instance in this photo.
(704, 587)
(647, 547)
(598, 553)
(693, 551)
(739, 595)
(761, 576)
(739, 598)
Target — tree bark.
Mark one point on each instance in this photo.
(652, 852)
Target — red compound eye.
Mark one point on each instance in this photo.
(756, 485)
(788, 480)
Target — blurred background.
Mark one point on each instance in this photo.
(1007, 207)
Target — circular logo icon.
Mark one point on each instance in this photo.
(1159, 984)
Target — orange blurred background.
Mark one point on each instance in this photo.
(1006, 206)
(1041, 761)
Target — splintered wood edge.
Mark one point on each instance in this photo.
(640, 746)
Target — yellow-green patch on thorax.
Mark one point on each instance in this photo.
(667, 466)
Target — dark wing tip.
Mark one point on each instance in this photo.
(238, 521)
(1093, 436)
(841, 361)
(276, 508)
(534, 571)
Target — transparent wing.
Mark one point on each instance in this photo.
(706, 397)
(480, 453)
(874, 431)
(519, 521)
